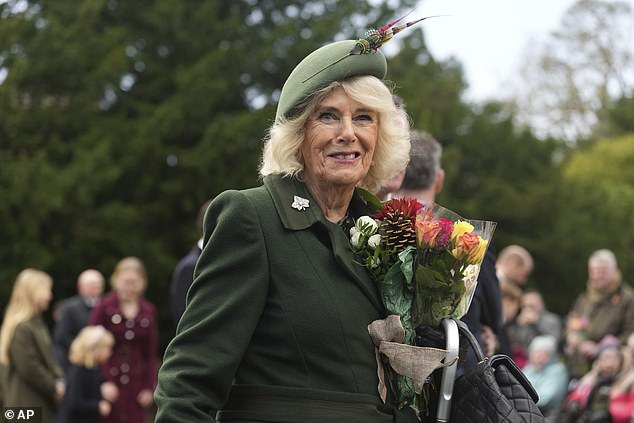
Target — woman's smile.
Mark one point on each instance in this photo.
(340, 140)
(345, 158)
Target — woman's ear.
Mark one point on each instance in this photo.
(439, 181)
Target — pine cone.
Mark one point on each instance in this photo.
(397, 231)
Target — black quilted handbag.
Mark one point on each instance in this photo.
(494, 391)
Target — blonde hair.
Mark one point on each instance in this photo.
(129, 263)
(282, 148)
(89, 341)
(23, 305)
(517, 255)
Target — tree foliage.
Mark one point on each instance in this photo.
(119, 119)
(597, 208)
(570, 78)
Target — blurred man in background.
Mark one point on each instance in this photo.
(74, 312)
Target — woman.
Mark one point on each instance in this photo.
(606, 307)
(88, 396)
(547, 374)
(132, 320)
(275, 329)
(32, 377)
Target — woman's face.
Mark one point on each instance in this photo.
(340, 139)
(44, 297)
(539, 358)
(601, 273)
(129, 284)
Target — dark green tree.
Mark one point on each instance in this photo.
(620, 116)
(120, 118)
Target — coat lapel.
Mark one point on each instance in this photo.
(295, 217)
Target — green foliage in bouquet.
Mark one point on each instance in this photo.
(439, 287)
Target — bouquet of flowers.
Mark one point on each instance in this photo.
(425, 261)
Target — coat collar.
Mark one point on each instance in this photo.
(283, 191)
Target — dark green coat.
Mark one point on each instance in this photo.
(275, 327)
(30, 376)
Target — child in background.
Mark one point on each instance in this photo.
(87, 395)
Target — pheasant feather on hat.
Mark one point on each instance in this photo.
(335, 62)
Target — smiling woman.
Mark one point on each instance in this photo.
(339, 145)
(283, 148)
(276, 323)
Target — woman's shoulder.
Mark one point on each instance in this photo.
(248, 201)
(33, 330)
(108, 300)
(253, 194)
(628, 292)
(557, 367)
(31, 324)
(147, 306)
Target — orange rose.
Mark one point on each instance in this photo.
(477, 254)
(426, 232)
(466, 245)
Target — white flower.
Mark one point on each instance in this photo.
(374, 240)
(354, 239)
(367, 225)
(375, 263)
(353, 231)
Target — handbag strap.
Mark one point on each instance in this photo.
(475, 345)
(497, 360)
(504, 360)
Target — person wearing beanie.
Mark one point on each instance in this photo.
(276, 323)
(547, 374)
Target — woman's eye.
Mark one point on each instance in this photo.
(364, 118)
(327, 116)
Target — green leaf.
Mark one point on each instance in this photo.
(427, 278)
(397, 291)
(370, 198)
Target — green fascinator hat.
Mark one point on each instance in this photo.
(330, 63)
(336, 62)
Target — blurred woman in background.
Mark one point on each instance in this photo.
(132, 320)
(32, 377)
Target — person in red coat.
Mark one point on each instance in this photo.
(132, 320)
